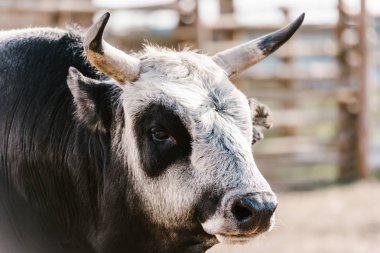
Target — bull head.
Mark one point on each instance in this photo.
(123, 67)
(185, 136)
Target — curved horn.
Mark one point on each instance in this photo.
(241, 57)
(108, 59)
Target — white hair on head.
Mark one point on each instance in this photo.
(217, 117)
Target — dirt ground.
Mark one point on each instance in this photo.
(334, 219)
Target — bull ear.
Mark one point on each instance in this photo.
(261, 118)
(92, 100)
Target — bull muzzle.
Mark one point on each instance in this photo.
(242, 216)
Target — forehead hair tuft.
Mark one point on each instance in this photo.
(178, 65)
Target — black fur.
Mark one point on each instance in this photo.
(159, 155)
(62, 186)
(50, 161)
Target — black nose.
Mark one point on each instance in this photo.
(252, 212)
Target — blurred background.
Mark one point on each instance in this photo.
(323, 86)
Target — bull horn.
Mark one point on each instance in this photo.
(241, 57)
(106, 58)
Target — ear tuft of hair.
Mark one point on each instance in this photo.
(261, 118)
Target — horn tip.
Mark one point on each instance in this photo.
(94, 34)
(273, 41)
(296, 23)
(104, 18)
(300, 18)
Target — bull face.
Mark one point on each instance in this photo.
(186, 137)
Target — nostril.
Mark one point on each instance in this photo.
(252, 212)
(240, 212)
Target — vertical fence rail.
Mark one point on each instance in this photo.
(353, 94)
(363, 92)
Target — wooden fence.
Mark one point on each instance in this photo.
(321, 108)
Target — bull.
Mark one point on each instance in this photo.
(104, 151)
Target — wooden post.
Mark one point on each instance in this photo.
(288, 84)
(226, 7)
(352, 101)
(347, 103)
(363, 95)
(188, 24)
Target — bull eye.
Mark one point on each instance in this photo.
(160, 136)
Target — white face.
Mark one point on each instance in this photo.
(216, 116)
(186, 137)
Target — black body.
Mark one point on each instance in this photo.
(44, 152)
(62, 188)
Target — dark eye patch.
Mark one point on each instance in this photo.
(162, 139)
